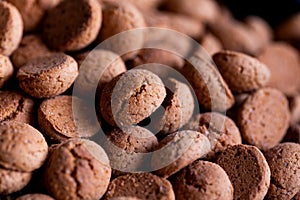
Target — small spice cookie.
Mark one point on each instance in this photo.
(241, 72)
(77, 169)
(11, 28)
(131, 97)
(6, 70)
(202, 179)
(263, 118)
(72, 24)
(48, 76)
(30, 47)
(178, 150)
(22, 147)
(35, 197)
(65, 117)
(284, 163)
(211, 43)
(141, 186)
(248, 171)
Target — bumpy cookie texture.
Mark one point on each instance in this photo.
(219, 129)
(22, 147)
(35, 197)
(30, 47)
(204, 180)
(97, 68)
(11, 28)
(72, 24)
(48, 76)
(131, 97)
(6, 70)
(211, 43)
(248, 171)
(283, 62)
(16, 107)
(126, 147)
(13, 181)
(141, 186)
(77, 169)
(119, 16)
(66, 117)
(241, 72)
(33, 11)
(263, 118)
(178, 150)
(284, 162)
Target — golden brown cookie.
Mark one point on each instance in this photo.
(48, 76)
(6, 70)
(141, 186)
(35, 197)
(65, 117)
(248, 171)
(72, 24)
(263, 118)
(77, 169)
(178, 150)
(204, 180)
(11, 28)
(284, 163)
(211, 43)
(241, 72)
(131, 97)
(25, 154)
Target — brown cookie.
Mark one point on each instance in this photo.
(16, 107)
(48, 76)
(141, 186)
(283, 62)
(263, 118)
(11, 28)
(202, 179)
(65, 117)
(77, 169)
(178, 150)
(35, 197)
(294, 104)
(26, 154)
(289, 29)
(219, 129)
(119, 16)
(13, 181)
(248, 171)
(72, 24)
(211, 43)
(131, 97)
(6, 70)
(284, 163)
(30, 47)
(293, 134)
(33, 11)
(241, 72)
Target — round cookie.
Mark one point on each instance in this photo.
(131, 97)
(284, 163)
(283, 62)
(77, 169)
(6, 70)
(202, 179)
(48, 76)
(263, 118)
(72, 24)
(13, 181)
(119, 16)
(219, 129)
(35, 197)
(211, 43)
(26, 154)
(141, 186)
(65, 117)
(248, 171)
(178, 150)
(30, 47)
(16, 107)
(241, 72)
(33, 11)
